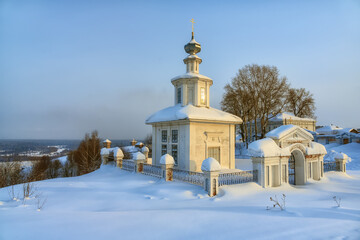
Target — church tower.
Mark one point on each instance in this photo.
(192, 87)
(190, 130)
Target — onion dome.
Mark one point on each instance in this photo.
(192, 47)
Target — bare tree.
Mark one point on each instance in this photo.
(300, 102)
(255, 94)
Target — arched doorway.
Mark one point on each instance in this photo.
(296, 168)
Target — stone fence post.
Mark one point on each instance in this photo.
(340, 159)
(211, 169)
(211, 184)
(139, 160)
(118, 156)
(145, 151)
(167, 163)
(104, 153)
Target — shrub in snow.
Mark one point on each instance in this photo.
(210, 164)
(167, 159)
(40, 201)
(281, 204)
(12, 194)
(337, 200)
(29, 190)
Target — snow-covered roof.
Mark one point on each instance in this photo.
(210, 164)
(167, 159)
(329, 130)
(188, 112)
(266, 148)
(286, 115)
(316, 148)
(191, 75)
(283, 130)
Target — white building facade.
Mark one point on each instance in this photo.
(191, 131)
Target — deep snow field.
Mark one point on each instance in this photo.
(114, 204)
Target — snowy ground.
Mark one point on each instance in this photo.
(112, 203)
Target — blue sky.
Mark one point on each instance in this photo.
(68, 67)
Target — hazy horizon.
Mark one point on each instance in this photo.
(70, 67)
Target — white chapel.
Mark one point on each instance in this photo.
(190, 130)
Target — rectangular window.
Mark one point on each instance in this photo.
(202, 95)
(214, 152)
(174, 136)
(174, 153)
(179, 95)
(163, 149)
(164, 136)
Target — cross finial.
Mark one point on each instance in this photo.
(192, 21)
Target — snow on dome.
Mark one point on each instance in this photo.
(118, 152)
(283, 130)
(193, 41)
(138, 156)
(264, 148)
(107, 141)
(340, 156)
(210, 164)
(144, 149)
(167, 159)
(316, 148)
(105, 151)
(178, 112)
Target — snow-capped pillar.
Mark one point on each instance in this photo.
(167, 163)
(340, 159)
(211, 169)
(211, 184)
(107, 143)
(118, 156)
(145, 151)
(104, 153)
(139, 160)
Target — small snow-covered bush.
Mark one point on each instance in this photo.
(40, 201)
(337, 200)
(12, 194)
(29, 190)
(281, 204)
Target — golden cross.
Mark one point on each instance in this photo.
(192, 20)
